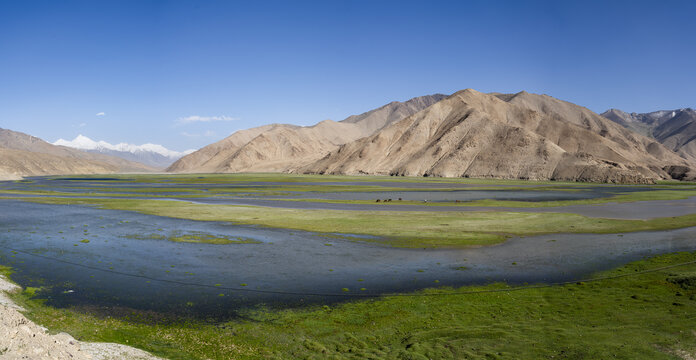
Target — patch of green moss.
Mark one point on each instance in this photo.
(205, 238)
(31, 291)
(195, 237)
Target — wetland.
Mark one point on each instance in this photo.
(203, 255)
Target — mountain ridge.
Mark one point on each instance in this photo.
(676, 129)
(285, 147)
(520, 135)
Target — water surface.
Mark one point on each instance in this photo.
(162, 275)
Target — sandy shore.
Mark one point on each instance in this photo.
(23, 339)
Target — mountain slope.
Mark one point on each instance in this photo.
(17, 163)
(206, 158)
(522, 135)
(156, 156)
(28, 155)
(376, 119)
(282, 148)
(676, 129)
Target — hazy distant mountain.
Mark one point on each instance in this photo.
(521, 135)
(153, 155)
(26, 155)
(282, 148)
(17, 163)
(676, 129)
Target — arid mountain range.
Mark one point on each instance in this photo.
(467, 134)
(676, 129)
(288, 148)
(528, 136)
(26, 155)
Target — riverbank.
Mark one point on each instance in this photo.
(21, 338)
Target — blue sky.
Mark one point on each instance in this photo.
(154, 70)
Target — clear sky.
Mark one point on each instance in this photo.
(152, 71)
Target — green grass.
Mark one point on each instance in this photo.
(195, 237)
(400, 229)
(205, 238)
(649, 316)
(5, 271)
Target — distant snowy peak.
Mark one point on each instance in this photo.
(150, 154)
(84, 143)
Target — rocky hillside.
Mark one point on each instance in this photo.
(676, 129)
(519, 136)
(285, 148)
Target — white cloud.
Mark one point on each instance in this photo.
(197, 118)
(101, 113)
(206, 134)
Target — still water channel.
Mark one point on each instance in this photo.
(125, 264)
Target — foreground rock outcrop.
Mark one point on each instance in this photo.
(22, 339)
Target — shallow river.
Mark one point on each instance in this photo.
(123, 267)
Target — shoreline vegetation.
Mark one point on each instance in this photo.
(32, 341)
(642, 316)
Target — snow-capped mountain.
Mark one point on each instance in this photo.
(149, 154)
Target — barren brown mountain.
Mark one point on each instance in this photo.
(676, 129)
(519, 136)
(286, 148)
(26, 155)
